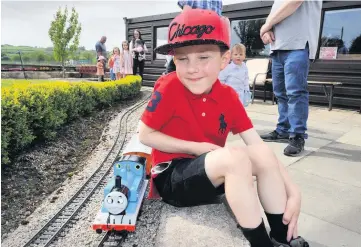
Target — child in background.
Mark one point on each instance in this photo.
(118, 60)
(236, 74)
(139, 47)
(111, 64)
(127, 65)
(100, 68)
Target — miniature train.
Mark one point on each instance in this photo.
(124, 193)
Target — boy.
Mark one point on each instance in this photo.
(187, 122)
(236, 74)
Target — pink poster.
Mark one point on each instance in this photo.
(328, 52)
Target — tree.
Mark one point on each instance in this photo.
(355, 47)
(65, 34)
(40, 57)
(248, 34)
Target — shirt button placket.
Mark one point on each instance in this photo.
(203, 113)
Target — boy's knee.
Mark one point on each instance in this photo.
(265, 158)
(237, 159)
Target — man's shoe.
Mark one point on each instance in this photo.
(295, 147)
(297, 242)
(274, 136)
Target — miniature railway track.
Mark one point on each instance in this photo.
(112, 239)
(46, 235)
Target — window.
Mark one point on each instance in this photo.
(341, 35)
(247, 33)
(161, 39)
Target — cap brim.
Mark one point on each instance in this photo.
(168, 49)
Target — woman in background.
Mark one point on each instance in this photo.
(138, 58)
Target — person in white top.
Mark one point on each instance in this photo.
(135, 45)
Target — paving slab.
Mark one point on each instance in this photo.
(336, 161)
(352, 137)
(320, 233)
(329, 200)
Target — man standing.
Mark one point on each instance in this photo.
(101, 50)
(292, 28)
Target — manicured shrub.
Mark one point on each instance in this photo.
(34, 111)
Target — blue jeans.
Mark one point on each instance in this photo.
(112, 75)
(289, 77)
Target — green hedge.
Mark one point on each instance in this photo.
(34, 111)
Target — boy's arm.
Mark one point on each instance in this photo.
(251, 137)
(162, 142)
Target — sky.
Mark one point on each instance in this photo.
(27, 22)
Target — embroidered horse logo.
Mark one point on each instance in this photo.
(222, 124)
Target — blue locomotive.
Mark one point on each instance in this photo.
(124, 193)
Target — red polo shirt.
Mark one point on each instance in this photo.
(175, 111)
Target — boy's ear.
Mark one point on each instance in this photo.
(226, 57)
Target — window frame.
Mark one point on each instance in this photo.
(154, 57)
(247, 18)
(337, 6)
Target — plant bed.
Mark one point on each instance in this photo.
(40, 170)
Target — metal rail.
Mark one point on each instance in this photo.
(111, 238)
(46, 235)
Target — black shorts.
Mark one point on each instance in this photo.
(185, 183)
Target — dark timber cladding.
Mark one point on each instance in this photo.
(346, 71)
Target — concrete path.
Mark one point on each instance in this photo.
(328, 174)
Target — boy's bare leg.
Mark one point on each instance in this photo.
(234, 167)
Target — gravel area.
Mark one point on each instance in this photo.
(81, 233)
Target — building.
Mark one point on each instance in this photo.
(338, 57)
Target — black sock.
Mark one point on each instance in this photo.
(278, 229)
(257, 237)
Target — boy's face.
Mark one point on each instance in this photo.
(238, 56)
(198, 66)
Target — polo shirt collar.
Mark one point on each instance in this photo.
(214, 94)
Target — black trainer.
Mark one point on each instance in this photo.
(274, 136)
(297, 242)
(295, 146)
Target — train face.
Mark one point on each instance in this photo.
(124, 193)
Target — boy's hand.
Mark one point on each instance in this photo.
(200, 148)
(292, 212)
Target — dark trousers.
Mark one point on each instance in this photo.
(140, 64)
